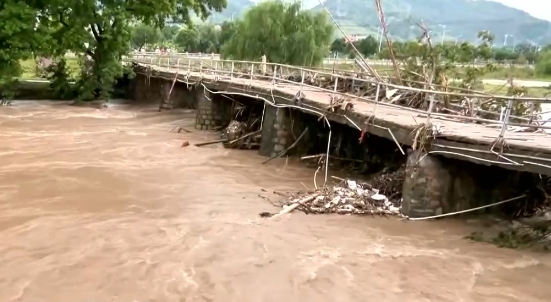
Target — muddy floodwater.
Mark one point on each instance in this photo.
(104, 205)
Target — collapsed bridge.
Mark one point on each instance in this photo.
(452, 161)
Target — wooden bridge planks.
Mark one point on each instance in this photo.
(456, 134)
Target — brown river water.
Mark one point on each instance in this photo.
(104, 205)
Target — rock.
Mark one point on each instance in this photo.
(185, 143)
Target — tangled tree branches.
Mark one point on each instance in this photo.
(348, 197)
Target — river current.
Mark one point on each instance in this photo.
(105, 205)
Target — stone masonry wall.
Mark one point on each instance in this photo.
(212, 110)
(155, 90)
(435, 185)
(276, 131)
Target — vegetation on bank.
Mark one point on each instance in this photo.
(99, 33)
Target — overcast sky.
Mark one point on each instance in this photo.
(538, 8)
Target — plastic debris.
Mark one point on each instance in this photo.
(349, 197)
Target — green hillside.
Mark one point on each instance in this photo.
(463, 18)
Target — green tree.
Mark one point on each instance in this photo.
(227, 32)
(543, 66)
(187, 39)
(505, 54)
(19, 36)
(169, 32)
(144, 35)
(209, 37)
(283, 32)
(100, 30)
(339, 46)
(367, 46)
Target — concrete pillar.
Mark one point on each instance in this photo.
(212, 110)
(276, 131)
(433, 186)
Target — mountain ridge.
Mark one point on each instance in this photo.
(463, 19)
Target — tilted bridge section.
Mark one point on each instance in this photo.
(370, 105)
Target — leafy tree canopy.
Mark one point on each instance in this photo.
(19, 36)
(543, 66)
(169, 32)
(99, 30)
(283, 33)
(143, 35)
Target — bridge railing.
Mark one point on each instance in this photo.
(339, 61)
(385, 92)
(179, 54)
(236, 68)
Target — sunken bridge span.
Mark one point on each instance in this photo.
(453, 158)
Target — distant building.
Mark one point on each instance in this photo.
(355, 38)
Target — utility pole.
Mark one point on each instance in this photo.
(380, 38)
(443, 32)
(457, 39)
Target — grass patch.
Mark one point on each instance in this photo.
(538, 92)
(524, 73)
(30, 72)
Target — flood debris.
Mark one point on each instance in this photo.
(389, 182)
(243, 130)
(179, 129)
(347, 197)
(240, 135)
(217, 141)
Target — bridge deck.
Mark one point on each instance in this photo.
(462, 140)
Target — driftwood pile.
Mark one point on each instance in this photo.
(238, 135)
(348, 197)
(389, 182)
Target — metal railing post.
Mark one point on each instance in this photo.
(431, 105)
(274, 76)
(232, 69)
(252, 69)
(506, 118)
(264, 64)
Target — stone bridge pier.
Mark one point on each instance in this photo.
(435, 185)
(212, 110)
(145, 89)
(281, 128)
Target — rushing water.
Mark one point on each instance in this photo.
(104, 205)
